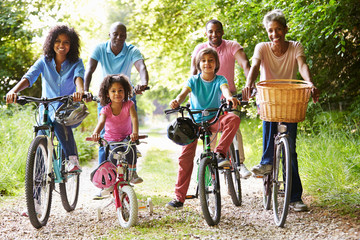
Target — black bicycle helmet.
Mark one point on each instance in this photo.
(182, 131)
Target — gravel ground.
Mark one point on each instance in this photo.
(250, 221)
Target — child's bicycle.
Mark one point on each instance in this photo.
(124, 196)
(45, 166)
(208, 188)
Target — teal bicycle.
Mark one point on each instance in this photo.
(45, 166)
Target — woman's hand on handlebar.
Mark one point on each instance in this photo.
(174, 104)
(77, 96)
(11, 97)
(246, 93)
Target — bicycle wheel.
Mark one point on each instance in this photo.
(233, 178)
(38, 184)
(267, 191)
(69, 188)
(282, 182)
(128, 211)
(209, 191)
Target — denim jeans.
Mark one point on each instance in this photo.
(65, 137)
(102, 157)
(269, 130)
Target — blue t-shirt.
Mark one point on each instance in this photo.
(55, 84)
(205, 94)
(121, 63)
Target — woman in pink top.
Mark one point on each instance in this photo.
(279, 59)
(119, 116)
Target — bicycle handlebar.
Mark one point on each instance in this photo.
(103, 142)
(22, 100)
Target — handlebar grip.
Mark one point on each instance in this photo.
(169, 111)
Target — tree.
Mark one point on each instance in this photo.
(15, 44)
(328, 29)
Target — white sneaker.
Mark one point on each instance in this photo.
(73, 164)
(262, 169)
(244, 172)
(104, 193)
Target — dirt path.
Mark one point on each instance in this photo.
(250, 221)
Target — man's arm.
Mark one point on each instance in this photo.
(250, 80)
(144, 75)
(92, 64)
(243, 61)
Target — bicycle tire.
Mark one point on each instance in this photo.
(233, 178)
(128, 212)
(267, 191)
(282, 182)
(209, 191)
(69, 188)
(38, 187)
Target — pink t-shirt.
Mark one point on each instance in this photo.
(226, 52)
(117, 128)
(273, 67)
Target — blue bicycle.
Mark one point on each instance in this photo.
(45, 166)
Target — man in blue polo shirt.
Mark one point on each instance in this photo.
(116, 56)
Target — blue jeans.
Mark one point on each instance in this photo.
(102, 156)
(269, 130)
(65, 137)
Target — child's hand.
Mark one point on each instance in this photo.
(234, 101)
(134, 137)
(95, 136)
(174, 104)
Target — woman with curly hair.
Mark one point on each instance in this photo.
(62, 73)
(119, 118)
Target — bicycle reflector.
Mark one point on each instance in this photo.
(182, 131)
(104, 176)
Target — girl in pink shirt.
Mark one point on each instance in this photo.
(119, 116)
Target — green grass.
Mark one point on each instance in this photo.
(16, 126)
(328, 155)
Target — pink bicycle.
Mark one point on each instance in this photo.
(123, 194)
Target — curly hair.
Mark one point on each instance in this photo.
(205, 51)
(107, 83)
(74, 52)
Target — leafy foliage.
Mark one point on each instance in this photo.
(168, 31)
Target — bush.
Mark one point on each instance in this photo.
(16, 124)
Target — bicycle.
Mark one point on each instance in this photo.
(45, 166)
(275, 105)
(276, 185)
(124, 196)
(208, 186)
(232, 175)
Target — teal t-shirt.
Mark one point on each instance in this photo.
(205, 94)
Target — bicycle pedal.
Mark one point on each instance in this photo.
(190, 197)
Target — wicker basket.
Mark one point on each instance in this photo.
(283, 100)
